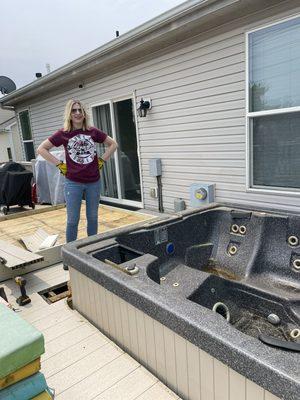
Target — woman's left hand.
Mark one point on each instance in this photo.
(100, 163)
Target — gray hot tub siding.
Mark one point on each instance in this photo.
(262, 253)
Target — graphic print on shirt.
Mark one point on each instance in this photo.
(81, 149)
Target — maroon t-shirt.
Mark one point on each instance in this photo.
(81, 155)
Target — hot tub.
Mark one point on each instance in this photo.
(208, 300)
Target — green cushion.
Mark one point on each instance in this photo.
(20, 342)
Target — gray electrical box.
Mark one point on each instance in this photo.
(155, 167)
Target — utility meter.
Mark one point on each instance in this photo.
(201, 194)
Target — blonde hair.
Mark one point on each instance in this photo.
(67, 116)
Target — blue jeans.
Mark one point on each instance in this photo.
(73, 196)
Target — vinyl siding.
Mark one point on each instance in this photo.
(197, 125)
(4, 144)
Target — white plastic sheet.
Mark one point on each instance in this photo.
(49, 181)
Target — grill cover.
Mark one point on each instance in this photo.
(15, 185)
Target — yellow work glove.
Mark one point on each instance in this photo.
(62, 168)
(100, 163)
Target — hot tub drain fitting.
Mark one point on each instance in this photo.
(222, 309)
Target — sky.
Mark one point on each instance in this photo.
(38, 32)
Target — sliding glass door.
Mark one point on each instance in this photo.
(121, 174)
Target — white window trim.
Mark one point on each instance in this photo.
(21, 133)
(281, 191)
(9, 127)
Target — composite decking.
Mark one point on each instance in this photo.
(53, 221)
(80, 362)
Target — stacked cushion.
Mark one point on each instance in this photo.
(21, 346)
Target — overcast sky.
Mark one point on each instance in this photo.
(36, 32)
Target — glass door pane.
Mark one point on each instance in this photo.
(102, 120)
(127, 151)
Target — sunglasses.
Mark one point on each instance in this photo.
(75, 110)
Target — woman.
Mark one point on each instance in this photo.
(82, 167)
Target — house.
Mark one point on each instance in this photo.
(10, 144)
(223, 78)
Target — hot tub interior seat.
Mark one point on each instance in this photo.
(245, 255)
(117, 254)
(249, 307)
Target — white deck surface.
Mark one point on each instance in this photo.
(80, 362)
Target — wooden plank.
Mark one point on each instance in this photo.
(72, 354)
(133, 331)
(39, 240)
(83, 368)
(221, 380)
(125, 324)
(181, 362)
(111, 314)
(253, 391)
(237, 386)
(96, 382)
(16, 257)
(158, 391)
(141, 336)
(150, 343)
(207, 376)
(160, 351)
(171, 378)
(130, 386)
(270, 396)
(193, 370)
(118, 321)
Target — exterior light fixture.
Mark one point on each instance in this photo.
(145, 105)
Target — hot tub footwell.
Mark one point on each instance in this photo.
(186, 369)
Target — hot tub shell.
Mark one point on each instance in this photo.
(162, 323)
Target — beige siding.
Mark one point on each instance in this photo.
(197, 123)
(16, 139)
(187, 370)
(4, 144)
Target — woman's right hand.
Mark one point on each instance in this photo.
(62, 168)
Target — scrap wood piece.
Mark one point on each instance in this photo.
(15, 257)
(40, 240)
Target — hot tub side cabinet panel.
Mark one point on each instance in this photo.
(186, 369)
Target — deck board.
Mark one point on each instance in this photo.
(54, 222)
(80, 362)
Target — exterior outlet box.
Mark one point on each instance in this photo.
(153, 192)
(202, 194)
(155, 167)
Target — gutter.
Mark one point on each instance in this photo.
(167, 22)
(10, 108)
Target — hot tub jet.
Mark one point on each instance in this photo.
(222, 309)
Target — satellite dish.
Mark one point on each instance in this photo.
(6, 85)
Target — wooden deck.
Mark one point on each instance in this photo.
(54, 222)
(80, 362)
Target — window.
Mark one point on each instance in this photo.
(9, 153)
(26, 135)
(274, 106)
